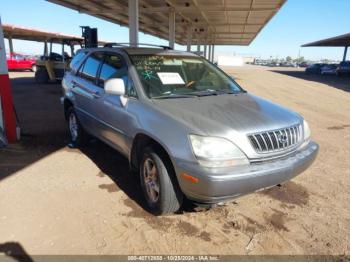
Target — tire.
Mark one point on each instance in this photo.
(78, 136)
(41, 75)
(33, 68)
(157, 172)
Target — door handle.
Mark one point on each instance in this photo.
(96, 94)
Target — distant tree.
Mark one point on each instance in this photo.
(289, 59)
(300, 60)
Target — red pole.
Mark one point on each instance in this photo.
(5, 94)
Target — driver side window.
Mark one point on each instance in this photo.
(114, 66)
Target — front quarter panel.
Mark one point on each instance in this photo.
(168, 132)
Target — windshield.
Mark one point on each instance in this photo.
(176, 76)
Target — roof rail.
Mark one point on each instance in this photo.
(139, 44)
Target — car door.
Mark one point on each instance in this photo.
(114, 112)
(87, 94)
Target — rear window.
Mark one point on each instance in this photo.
(75, 63)
(91, 65)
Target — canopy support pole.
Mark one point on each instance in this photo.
(46, 51)
(205, 51)
(133, 22)
(10, 45)
(212, 53)
(209, 53)
(172, 30)
(63, 56)
(189, 39)
(345, 53)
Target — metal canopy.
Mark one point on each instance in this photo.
(342, 40)
(218, 22)
(22, 33)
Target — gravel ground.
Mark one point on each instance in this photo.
(57, 200)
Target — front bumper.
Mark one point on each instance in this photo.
(222, 184)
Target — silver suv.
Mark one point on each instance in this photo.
(187, 128)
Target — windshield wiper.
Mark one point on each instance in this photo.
(213, 92)
(171, 96)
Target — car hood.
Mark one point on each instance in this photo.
(218, 115)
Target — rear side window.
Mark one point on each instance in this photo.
(91, 66)
(74, 64)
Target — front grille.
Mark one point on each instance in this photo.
(276, 140)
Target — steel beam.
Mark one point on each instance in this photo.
(133, 6)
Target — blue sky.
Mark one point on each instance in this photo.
(297, 23)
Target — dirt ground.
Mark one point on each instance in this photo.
(57, 200)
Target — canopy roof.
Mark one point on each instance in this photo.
(22, 33)
(342, 40)
(219, 22)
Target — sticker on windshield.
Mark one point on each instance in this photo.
(171, 79)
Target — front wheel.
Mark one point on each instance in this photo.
(41, 75)
(159, 184)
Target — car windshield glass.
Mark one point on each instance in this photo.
(178, 77)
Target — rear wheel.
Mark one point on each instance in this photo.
(77, 134)
(159, 184)
(41, 75)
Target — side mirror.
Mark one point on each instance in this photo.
(115, 86)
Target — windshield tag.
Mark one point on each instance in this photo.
(171, 79)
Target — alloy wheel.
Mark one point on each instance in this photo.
(151, 181)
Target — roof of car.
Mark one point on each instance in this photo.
(144, 51)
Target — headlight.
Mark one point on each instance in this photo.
(217, 152)
(307, 131)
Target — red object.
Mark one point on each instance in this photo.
(8, 108)
(19, 62)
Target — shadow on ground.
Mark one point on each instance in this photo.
(115, 166)
(43, 131)
(342, 83)
(15, 251)
(40, 116)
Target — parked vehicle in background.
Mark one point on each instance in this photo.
(303, 64)
(330, 69)
(314, 68)
(288, 64)
(343, 68)
(186, 127)
(273, 64)
(17, 61)
(51, 67)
